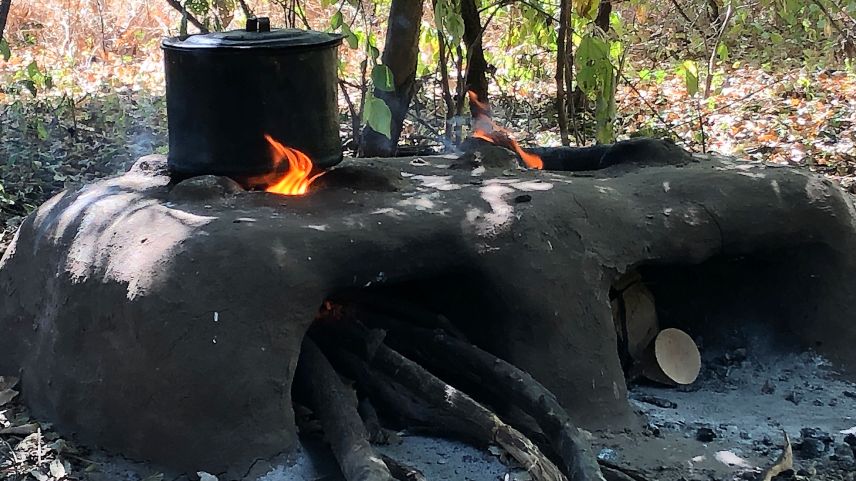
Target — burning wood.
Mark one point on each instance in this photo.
(486, 129)
(403, 385)
(296, 179)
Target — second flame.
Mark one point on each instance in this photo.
(486, 129)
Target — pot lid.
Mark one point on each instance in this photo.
(278, 38)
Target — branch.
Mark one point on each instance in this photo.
(4, 14)
(712, 59)
(190, 18)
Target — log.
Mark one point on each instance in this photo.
(401, 471)
(437, 350)
(335, 407)
(396, 307)
(640, 151)
(377, 434)
(472, 418)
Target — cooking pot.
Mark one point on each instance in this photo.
(226, 90)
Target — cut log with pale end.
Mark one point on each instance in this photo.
(469, 364)
(672, 358)
(336, 408)
(638, 317)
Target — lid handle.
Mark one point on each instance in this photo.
(264, 24)
(252, 25)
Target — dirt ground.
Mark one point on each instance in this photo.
(743, 402)
(730, 423)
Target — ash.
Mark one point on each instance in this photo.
(729, 424)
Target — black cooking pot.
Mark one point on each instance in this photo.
(226, 90)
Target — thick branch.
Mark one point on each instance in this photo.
(190, 18)
(502, 380)
(473, 419)
(336, 408)
(5, 5)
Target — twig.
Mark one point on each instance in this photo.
(355, 118)
(246, 8)
(708, 82)
(650, 107)
(190, 18)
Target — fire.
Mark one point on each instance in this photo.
(486, 129)
(295, 180)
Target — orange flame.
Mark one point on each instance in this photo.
(296, 180)
(486, 129)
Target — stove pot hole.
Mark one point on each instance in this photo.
(226, 90)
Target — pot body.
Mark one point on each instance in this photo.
(223, 97)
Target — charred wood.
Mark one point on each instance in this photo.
(504, 381)
(401, 471)
(468, 417)
(377, 434)
(398, 308)
(336, 408)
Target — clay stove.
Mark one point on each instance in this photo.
(162, 316)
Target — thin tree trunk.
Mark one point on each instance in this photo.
(400, 56)
(4, 14)
(476, 77)
(603, 13)
(561, 63)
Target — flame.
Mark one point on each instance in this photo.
(295, 180)
(485, 128)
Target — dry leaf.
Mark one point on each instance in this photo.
(203, 476)
(57, 469)
(39, 476)
(784, 463)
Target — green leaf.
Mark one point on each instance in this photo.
(336, 21)
(41, 131)
(375, 53)
(382, 78)
(378, 116)
(689, 69)
(33, 70)
(350, 38)
(4, 49)
(722, 52)
(593, 66)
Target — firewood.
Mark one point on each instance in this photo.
(402, 472)
(470, 417)
(398, 308)
(377, 434)
(337, 411)
(503, 380)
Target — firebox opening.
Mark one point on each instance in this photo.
(464, 300)
(767, 303)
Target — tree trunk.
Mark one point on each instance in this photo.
(476, 77)
(4, 14)
(603, 13)
(400, 55)
(561, 62)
